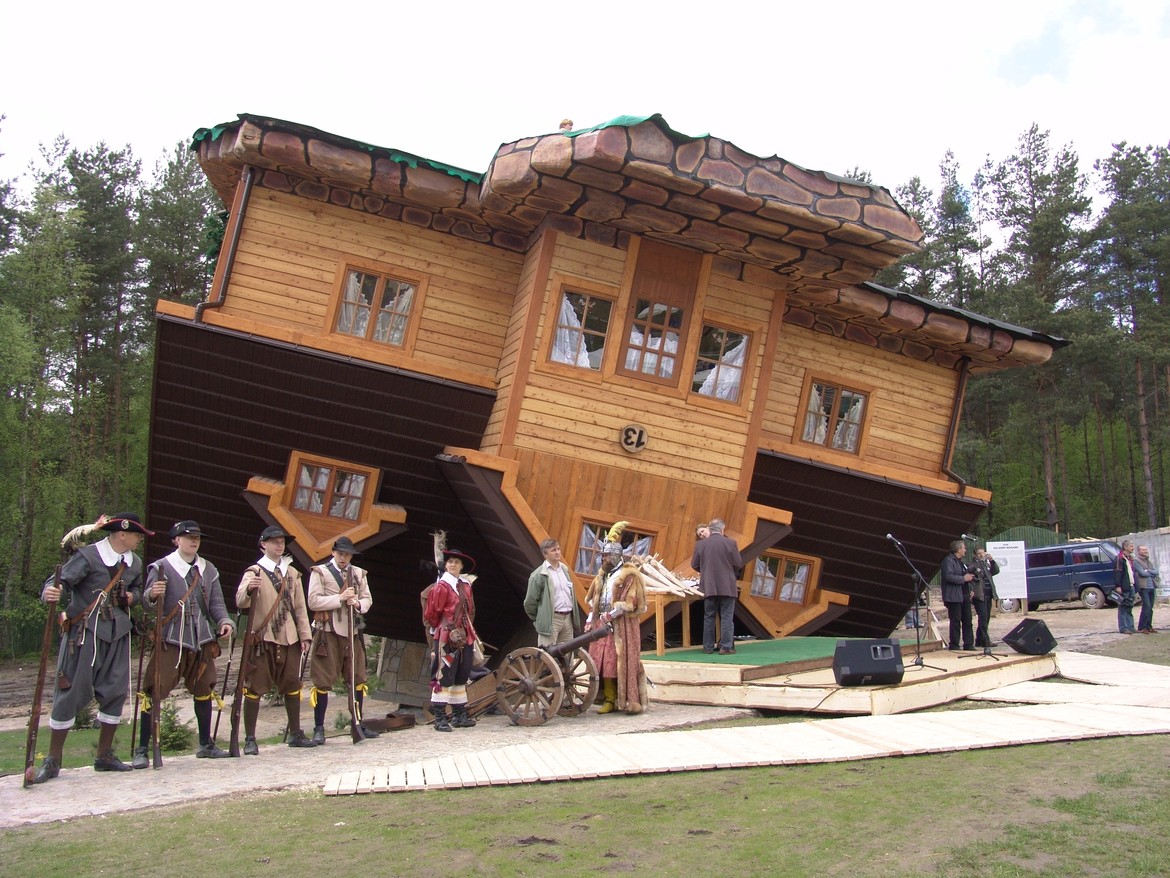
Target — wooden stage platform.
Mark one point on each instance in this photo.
(796, 674)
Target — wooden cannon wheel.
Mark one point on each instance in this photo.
(580, 674)
(530, 686)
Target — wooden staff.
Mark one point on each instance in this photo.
(355, 726)
(155, 701)
(227, 675)
(238, 698)
(34, 719)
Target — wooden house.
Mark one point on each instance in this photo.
(620, 322)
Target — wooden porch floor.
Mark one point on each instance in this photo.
(1119, 704)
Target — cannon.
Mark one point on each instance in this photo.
(534, 684)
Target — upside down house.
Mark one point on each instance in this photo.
(617, 322)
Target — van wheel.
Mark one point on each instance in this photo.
(1008, 605)
(1093, 598)
(1033, 606)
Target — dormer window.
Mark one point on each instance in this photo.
(330, 488)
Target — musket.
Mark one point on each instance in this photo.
(34, 719)
(233, 747)
(238, 698)
(227, 675)
(355, 722)
(156, 683)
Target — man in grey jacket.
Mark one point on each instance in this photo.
(720, 566)
(550, 601)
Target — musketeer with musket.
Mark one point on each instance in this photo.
(272, 592)
(100, 582)
(194, 616)
(339, 593)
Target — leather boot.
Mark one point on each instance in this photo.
(609, 687)
(318, 735)
(440, 712)
(251, 713)
(459, 717)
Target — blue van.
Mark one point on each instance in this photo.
(1080, 571)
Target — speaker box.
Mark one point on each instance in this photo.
(868, 662)
(1031, 637)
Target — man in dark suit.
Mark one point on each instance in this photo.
(956, 595)
(720, 566)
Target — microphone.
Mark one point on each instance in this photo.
(966, 537)
(893, 538)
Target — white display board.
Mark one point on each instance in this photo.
(1012, 580)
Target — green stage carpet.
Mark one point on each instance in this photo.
(764, 652)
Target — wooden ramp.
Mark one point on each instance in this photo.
(1092, 679)
(827, 740)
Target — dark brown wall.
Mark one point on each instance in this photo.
(228, 407)
(843, 518)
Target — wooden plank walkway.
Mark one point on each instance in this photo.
(828, 740)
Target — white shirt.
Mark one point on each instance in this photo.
(562, 588)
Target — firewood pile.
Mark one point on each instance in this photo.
(660, 580)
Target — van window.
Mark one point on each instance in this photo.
(1087, 555)
(1054, 558)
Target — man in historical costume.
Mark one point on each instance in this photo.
(618, 586)
(449, 615)
(194, 617)
(550, 601)
(103, 581)
(272, 589)
(983, 594)
(720, 566)
(339, 592)
(1124, 587)
(956, 595)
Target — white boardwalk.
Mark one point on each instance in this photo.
(1118, 698)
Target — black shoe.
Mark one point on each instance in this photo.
(368, 732)
(298, 739)
(210, 751)
(49, 769)
(708, 650)
(109, 762)
(318, 735)
(250, 748)
(140, 760)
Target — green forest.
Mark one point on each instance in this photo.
(90, 241)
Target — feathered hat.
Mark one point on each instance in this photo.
(612, 545)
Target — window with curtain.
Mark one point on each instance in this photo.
(375, 307)
(582, 324)
(588, 560)
(719, 364)
(781, 578)
(834, 416)
(330, 490)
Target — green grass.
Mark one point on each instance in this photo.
(1049, 810)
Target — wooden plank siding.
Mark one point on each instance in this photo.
(909, 408)
(285, 277)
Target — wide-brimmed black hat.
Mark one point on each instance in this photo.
(271, 533)
(468, 561)
(185, 529)
(345, 544)
(127, 521)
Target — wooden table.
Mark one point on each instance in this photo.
(659, 601)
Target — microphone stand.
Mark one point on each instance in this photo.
(920, 586)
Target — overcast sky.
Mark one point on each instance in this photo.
(886, 87)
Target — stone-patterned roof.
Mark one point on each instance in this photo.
(813, 234)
